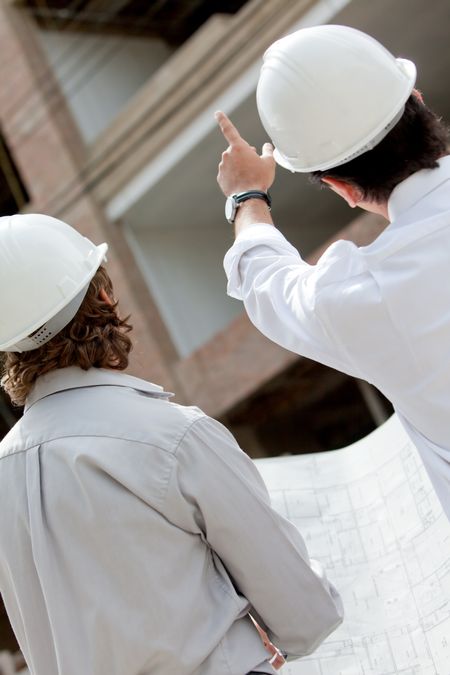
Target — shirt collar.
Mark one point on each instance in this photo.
(416, 187)
(74, 378)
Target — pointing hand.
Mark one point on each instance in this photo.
(241, 167)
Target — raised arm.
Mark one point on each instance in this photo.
(242, 169)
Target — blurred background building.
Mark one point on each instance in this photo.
(106, 121)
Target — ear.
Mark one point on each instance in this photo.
(418, 95)
(350, 193)
(105, 297)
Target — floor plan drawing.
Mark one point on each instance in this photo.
(369, 514)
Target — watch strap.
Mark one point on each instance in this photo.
(253, 194)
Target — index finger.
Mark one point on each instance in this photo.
(228, 129)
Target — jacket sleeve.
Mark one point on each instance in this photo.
(215, 489)
(286, 298)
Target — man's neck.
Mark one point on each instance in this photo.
(375, 207)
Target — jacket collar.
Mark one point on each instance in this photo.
(75, 378)
(416, 187)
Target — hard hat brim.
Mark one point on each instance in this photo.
(282, 161)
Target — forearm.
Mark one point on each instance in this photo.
(264, 553)
(284, 296)
(251, 212)
(275, 286)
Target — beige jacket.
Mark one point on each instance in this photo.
(136, 536)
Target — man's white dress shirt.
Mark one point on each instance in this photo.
(136, 536)
(379, 312)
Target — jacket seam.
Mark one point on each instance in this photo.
(169, 451)
(184, 432)
(174, 454)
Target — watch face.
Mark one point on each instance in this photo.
(230, 209)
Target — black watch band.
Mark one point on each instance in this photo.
(253, 194)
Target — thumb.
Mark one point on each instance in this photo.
(267, 150)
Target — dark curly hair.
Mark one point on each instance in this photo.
(416, 142)
(95, 338)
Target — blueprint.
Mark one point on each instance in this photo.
(369, 514)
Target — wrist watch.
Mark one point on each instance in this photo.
(234, 201)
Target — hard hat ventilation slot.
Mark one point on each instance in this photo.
(42, 335)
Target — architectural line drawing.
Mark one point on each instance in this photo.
(369, 514)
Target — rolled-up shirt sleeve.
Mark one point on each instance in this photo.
(215, 489)
(284, 295)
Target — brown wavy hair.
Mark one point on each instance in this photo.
(95, 338)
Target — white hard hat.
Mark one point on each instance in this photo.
(45, 270)
(327, 94)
